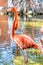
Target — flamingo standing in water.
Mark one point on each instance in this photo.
(21, 40)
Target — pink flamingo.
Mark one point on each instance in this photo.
(21, 40)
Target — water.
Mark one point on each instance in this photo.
(6, 56)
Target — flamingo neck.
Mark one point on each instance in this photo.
(15, 21)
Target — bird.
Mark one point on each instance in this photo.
(22, 40)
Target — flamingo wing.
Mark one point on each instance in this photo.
(29, 42)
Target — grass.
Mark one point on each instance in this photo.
(19, 61)
(34, 24)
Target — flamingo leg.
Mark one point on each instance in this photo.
(25, 54)
(16, 50)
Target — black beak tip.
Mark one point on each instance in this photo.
(6, 12)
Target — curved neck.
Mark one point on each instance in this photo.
(15, 21)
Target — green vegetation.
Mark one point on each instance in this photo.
(34, 58)
(34, 24)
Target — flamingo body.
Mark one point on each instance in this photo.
(24, 41)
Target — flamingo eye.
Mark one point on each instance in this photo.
(6, 13)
